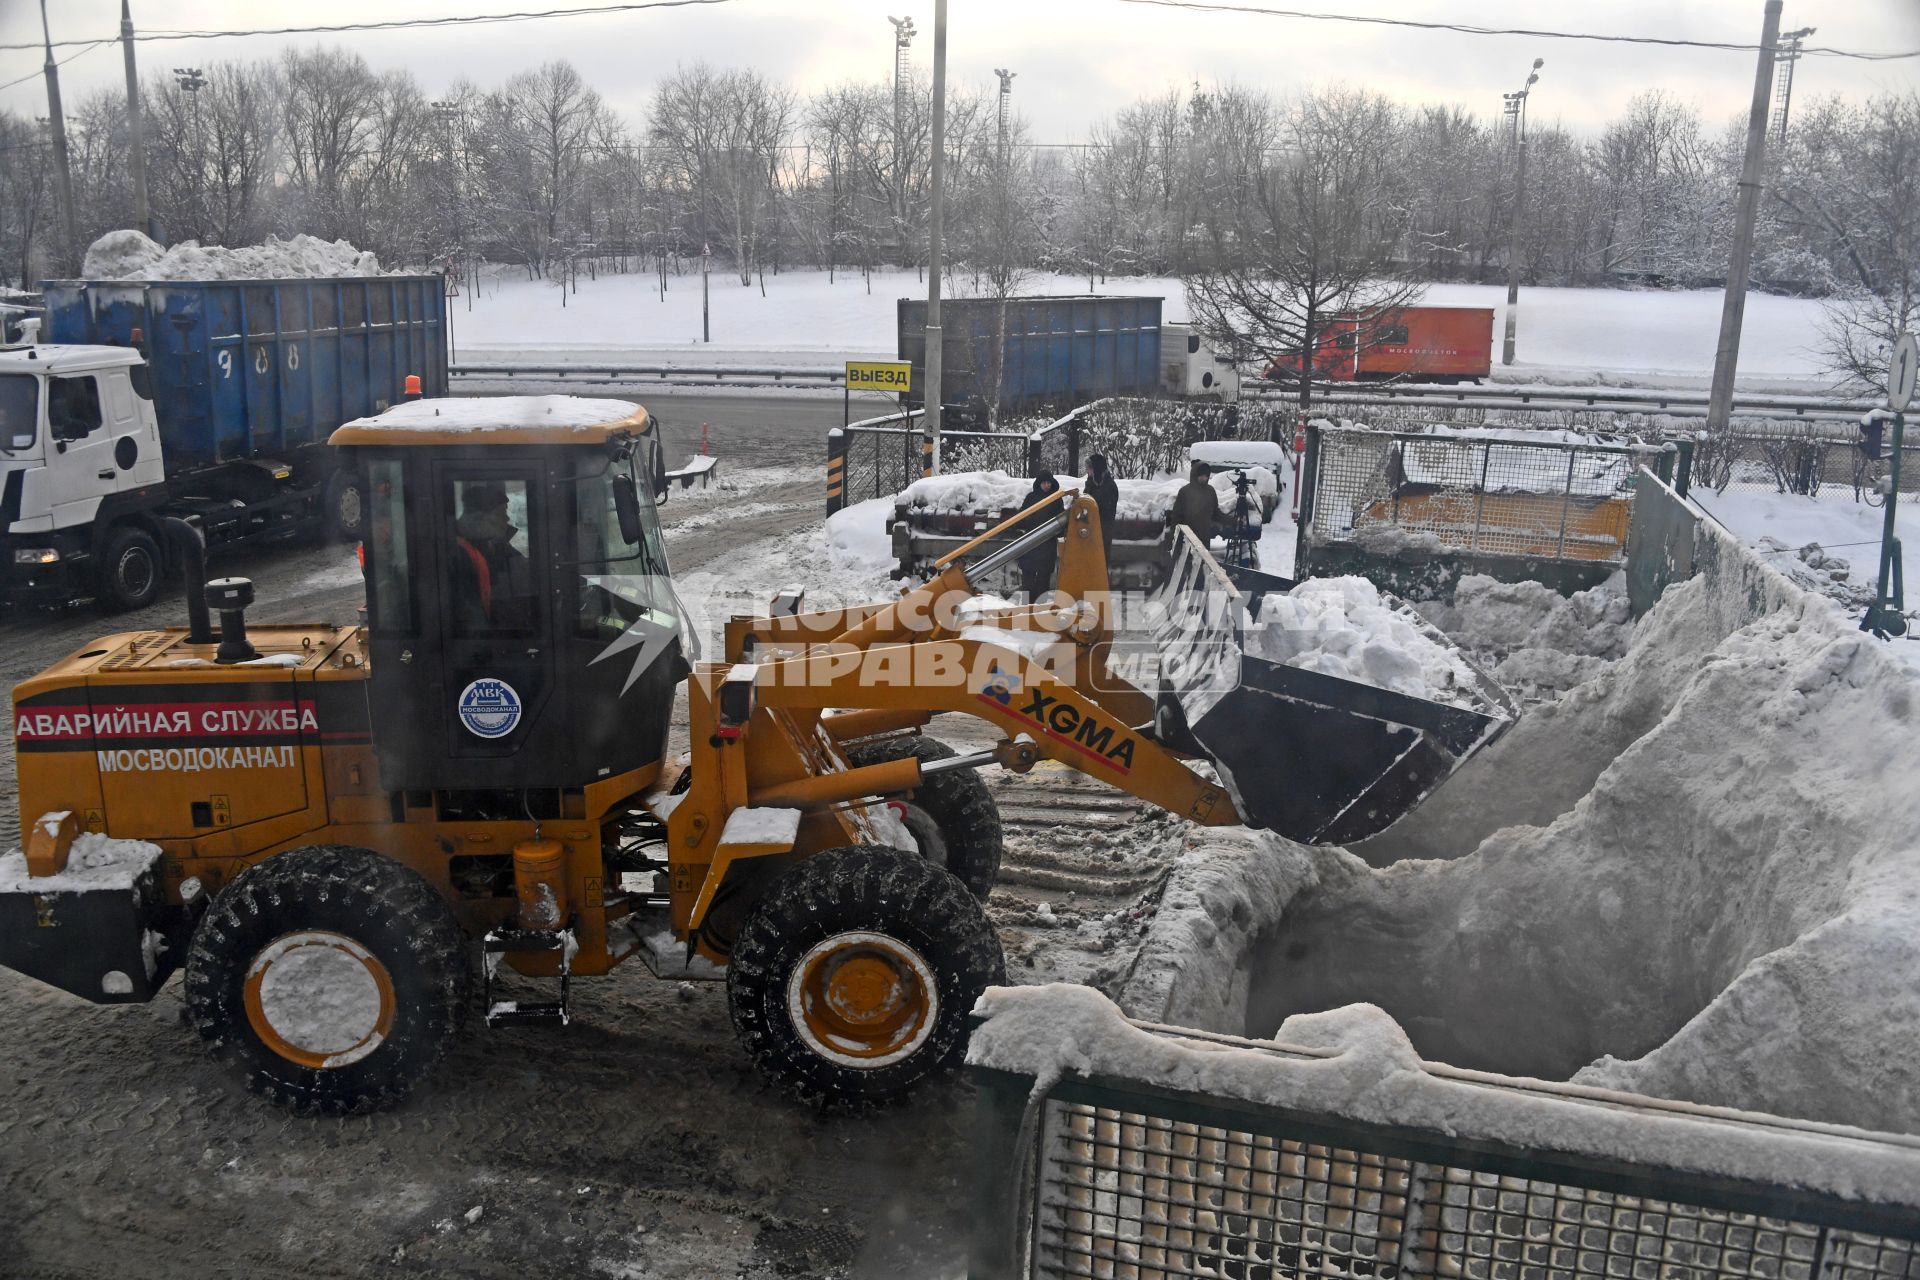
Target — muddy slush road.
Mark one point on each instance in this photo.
(636, 1142)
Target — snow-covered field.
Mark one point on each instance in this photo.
(1602, 335)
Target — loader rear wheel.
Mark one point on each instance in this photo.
(951, 816)
(853, 977)
(333, 978)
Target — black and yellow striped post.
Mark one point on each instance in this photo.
(926, 455)
(836, 470)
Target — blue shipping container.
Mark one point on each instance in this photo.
(1059, 352)
(249, 368)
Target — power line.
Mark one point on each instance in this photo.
(1469, 29)
(88, 47)
(395, 24)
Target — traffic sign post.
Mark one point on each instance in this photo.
(1887, 615)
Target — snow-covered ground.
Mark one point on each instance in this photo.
(1608, 335)
(1844, 529)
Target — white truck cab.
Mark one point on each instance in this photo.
(80, 460)
(1189, 366)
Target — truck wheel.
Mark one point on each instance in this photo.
(952, 816)
(344, 505)
(129, 571)
(333, 978)
(854, 975)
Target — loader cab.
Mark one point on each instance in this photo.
(523, 634)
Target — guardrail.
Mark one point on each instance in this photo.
(654, 374)
(1673, 404)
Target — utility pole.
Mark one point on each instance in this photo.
(62, 174)
(1733, 309)
(1517, 113)
(136, 131)
(935, 193)
(192, 82)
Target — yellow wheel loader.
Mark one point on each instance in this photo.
(342, 830)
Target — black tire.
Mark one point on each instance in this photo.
(130, 570)
(859, 890)
(343, 505)
(958, 804)
(334, 891)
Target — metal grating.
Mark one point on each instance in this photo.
(881, 461)
(1391, 491)
(1129, 1195)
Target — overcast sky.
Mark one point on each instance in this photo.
(1076, 60)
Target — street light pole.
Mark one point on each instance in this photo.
(935, 193)
(1517, 106)
(1733, 308)
(136, 131)
(62, 174)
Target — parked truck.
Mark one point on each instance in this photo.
(1419, 344)
(209, 401)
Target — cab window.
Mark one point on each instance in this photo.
(19, 411)
(391, 588)
(620, 582)
(73, 407)
(489, 557)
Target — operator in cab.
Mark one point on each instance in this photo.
(493, 585)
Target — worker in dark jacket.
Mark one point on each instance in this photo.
(1105, 492)
(1197, 506)
(1036, 567)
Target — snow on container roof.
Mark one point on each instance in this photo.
(498, 420)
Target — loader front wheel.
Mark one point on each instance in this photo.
(333, 978)
(951, 816)
(853, 977)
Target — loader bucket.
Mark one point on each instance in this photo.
(1313, 757)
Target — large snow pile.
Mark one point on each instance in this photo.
(1695, 876)
(1341, 627)
(1355, 1063)
(1536, 642)
(129, 255)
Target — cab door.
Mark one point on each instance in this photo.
(80, 448)
(496, 618)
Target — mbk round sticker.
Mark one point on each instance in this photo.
(489, 708)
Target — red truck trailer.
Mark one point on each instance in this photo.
(1421, 344)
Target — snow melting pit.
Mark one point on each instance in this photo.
(1695, 876)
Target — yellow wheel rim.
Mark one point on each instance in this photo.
(319, 999)
(863, 999)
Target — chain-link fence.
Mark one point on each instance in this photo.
(1146, 438)
(1490, 492)
(1811, 461)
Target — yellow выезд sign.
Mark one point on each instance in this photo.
(879, 375)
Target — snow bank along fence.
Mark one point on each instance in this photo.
(1415, 511)
(1363, 1162)
(879, 457)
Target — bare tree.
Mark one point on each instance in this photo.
(1305, 214)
